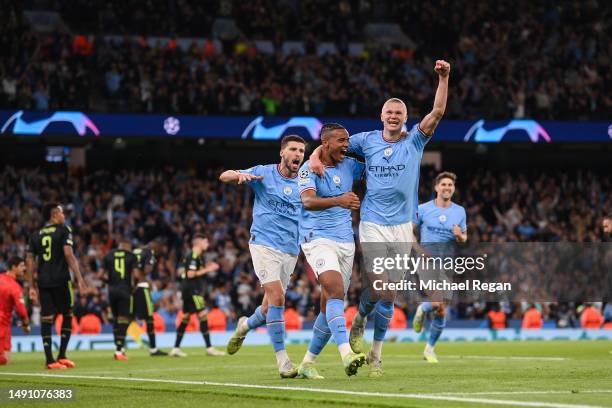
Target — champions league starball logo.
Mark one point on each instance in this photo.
(79, 121)
(258, 131)
(172, 125)
(533, 129)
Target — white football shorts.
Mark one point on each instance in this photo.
(272, 265)
(324, 255)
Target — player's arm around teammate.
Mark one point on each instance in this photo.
(273, 244)
(328, 243)
(394, 119)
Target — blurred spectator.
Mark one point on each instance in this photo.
(164, 206)
(591, 318)
(222, 300)
(532, 319)
(217, 320)
(496, 318)
(565, 317)
(546, 61)
(399, 320)
(90, 324)
(607, 313)
(293, 320)
(349, 314)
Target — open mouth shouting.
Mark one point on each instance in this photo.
(294, 164)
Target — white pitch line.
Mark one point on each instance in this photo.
(474, 357)
(313, 390)
(251, 366)
(543, 392)
(519, 358)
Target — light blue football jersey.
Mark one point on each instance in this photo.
(436, 223)
(277, 209)
(392, 172)
(335, 223)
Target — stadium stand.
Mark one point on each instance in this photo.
(500, 208)
(549, 62)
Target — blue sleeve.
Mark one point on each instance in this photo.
(417, 138)
(358, 168)
(255, 171)
(463, 223)
(356, 143)
(306, 179)
(419, 215)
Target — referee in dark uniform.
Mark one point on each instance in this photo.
(121, 269)
(143, 305)
(50, 253)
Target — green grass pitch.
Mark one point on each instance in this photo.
(548, 374)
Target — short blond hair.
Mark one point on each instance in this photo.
(395, 100)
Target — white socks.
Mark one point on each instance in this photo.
(344, 349)
(309, 357)
(376, 349)
(243, 329)
(282, 358)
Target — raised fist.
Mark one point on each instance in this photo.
(442, 68)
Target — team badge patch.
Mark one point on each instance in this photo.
(319, 263)
(287, 190)
(388, 152)
(336, 179)
(442, 218)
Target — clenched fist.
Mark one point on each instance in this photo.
(442, 68)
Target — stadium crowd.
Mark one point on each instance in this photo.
(162, 208)
(527, 59)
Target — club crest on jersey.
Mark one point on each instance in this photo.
(319, 263)
(442, 218)
(388, 151)
(287, 190)
(336, 179)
